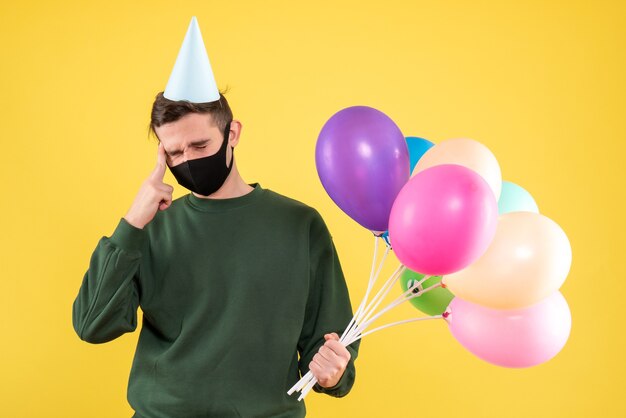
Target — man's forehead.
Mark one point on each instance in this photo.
(190, 122)
(182, 132)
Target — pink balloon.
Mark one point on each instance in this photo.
(512, 337)
(443, 219)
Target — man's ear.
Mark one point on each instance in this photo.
(235, 132)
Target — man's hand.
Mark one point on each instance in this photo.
(330, 361)
(153, 195)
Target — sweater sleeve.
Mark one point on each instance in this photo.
(328, 307)
(108, 298)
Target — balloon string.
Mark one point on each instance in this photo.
(309, 385)
(371, 279)
(423, 280)
(371, 282)
(363, 317)
(382, 294)
(394, 324)
(307, 388)
(300, 383)
(362, 307)
(378, 298)
(408, 295)
(308, 380)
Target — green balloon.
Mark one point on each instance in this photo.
(433, 302)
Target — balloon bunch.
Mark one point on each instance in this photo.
(474, 250)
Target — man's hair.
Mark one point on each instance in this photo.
(166, 111)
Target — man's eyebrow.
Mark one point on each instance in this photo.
(196, 142)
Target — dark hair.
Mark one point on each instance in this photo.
(166, 111)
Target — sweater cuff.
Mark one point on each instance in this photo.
(340, 383)
(128, 237)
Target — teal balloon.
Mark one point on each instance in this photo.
(385, 236)
(417, 148)
(514, 198)
(433, 302)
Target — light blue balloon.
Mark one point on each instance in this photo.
(417, 148)
(514, 198)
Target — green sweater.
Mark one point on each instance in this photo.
(236, 296)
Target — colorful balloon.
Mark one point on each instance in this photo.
(514, 198)
(417, 147)
(466, 152)
(433, 302)
(528, 259)
(385, 237)
(442, 220)
(522, 337)
(362, 160)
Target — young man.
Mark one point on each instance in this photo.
(240, 287)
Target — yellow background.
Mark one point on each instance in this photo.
(541, 83)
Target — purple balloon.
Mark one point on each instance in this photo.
(362, 160)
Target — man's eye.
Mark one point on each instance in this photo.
(203, 146)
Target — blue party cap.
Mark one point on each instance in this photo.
(192, 77)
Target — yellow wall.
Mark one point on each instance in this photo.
(541, 83)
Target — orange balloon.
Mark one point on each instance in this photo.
(466, 152)
(528, 259)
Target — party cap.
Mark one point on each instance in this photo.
(192, 77)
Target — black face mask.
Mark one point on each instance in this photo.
(207, 174)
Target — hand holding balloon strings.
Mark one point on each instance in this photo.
(308, 377)
(363, 317)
